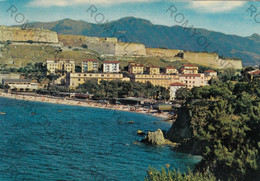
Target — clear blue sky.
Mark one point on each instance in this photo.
(229, 17)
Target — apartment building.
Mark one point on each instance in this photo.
(170, 70)
(193, 80)
(60, 66)
(134, 68)
(89, 65)
(111, 67)
(153, 70)
(156, 80)
(189, 69)
(75, 79)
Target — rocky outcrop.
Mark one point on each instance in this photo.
(181, 128)
(155, 138)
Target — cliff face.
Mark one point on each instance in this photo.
(17, 34)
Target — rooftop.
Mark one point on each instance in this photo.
(111, 62)
(208, 71)
(89, 60)
(190, 75)
(16, 80)
(170, 68)
(177, 84)
(189, 65)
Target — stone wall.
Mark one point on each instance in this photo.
(159, 52)
(130, 49)
(211, 60)
(17, 34)
(102, 48)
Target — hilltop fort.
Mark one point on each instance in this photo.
(17, 34)
(111, 46)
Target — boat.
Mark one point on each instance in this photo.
(33, 113)
(2, 113)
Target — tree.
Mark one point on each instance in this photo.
(84, 46)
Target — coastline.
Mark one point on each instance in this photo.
(64, 101)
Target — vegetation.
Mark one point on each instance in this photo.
(118, 89)
(225, 123)
(155, 175)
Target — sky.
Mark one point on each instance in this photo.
(231, 17)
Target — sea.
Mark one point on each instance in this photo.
(42, 141)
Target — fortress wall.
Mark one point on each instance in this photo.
(108, 40)
(130, 49)
(229, 63)
(159, 52)
(211, 60)
(72, 40)
(205, 59)
(36, 35)
(102, 48)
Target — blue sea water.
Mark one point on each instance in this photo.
(59, 142)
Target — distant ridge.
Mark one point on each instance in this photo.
(143, 31)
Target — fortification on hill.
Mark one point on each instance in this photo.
(159, 52)
(16, 34)
(211, 60)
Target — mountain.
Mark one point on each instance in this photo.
(138, 30)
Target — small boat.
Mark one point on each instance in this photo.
(59, 111)
(2, 113)
(33, 113)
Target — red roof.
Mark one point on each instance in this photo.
(152, 67)
(136, 65)
(190, 65)
(208, 71)
(177, 84)
(111, 62)
(256, 72)
(190, 75)
(187, 69)
(89, 60)
(170, 68)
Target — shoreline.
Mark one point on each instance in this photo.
(64, 101)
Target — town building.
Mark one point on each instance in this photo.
(134, 68)
(189, 69)
(193, 80)
(60, 66)
(89, 65)
(170, 70)
(211, 73)
(254, 74)
(75, 79)
(153, 70)
(156, 80)
(111, 67)
(173, 89)
(20, 84)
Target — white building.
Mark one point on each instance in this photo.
(111, 67)
(173, 89)
(20, 84)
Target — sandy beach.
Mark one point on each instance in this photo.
(65, 101)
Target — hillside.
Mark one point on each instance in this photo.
(175, 37)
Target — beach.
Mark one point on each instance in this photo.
(82, 103)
